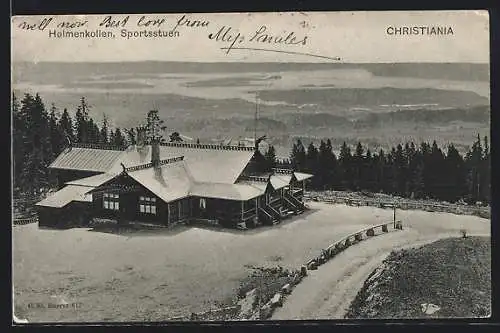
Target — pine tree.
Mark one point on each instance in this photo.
(455, 176)
(331, 166)
(391, 181)
(56, 137)
(38, 149)
(473, 162)
(345, 163)
(312, 164)
(270, 157)
(93, 131)
(437, 172)
(118, 138)
(400, 167)
(131, 136)
(369, 172)
(18, 139)
(298, 156)
(66, 126)
(381, 168)
(486, 173)
(81, 122)
(103, 134)
(324, 171)
(358, 161)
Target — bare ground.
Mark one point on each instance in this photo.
(154, 276)
(452, 275)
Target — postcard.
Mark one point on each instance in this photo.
(200, 167)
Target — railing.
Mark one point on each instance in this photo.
(293, 206)
(294, 200)
(24, 221)
(274, 211)
(404, 204)
(96, 146)
(267, 214)
(207, 146)
(283, 171)
(149, 165)
(255, 178)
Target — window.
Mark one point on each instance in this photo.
(147, 205)
(111, 201)
(203, 203)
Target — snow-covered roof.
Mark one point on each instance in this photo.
(66, 195)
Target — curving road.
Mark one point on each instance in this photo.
(327, 292)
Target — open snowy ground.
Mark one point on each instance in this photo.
(162, 274)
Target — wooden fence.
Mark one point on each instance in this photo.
(23, 221)
(351, 239)
(399, 203)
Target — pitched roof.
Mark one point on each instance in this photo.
(65, 195)
(279, 181)
(259, 185)
(205, 164)
(301, 176)
(92, 181)
(169, 182)
(226, 191)
(86, 159)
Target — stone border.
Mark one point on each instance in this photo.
(266, 311)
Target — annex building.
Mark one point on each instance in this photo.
(169, 183)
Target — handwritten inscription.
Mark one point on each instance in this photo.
(227, 34)
(263, 37)
(191, 23)
(111, 22)
(44, 23)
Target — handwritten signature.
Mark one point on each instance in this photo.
(228, 35)
(235, 40)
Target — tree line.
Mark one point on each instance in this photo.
(40, 134)
(406, 170)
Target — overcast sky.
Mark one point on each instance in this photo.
(352, 36)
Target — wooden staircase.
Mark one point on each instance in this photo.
(267, 216)
(296, 205)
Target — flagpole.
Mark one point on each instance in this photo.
(255, 125)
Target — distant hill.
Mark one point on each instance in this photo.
(479, 114)
(449, 71)
(348, 97)
(300, 120)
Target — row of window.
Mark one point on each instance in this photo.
(147, 205)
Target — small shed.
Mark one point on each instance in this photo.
(67, 207)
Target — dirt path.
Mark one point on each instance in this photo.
(327, 292)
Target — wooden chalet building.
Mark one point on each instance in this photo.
(169, 183)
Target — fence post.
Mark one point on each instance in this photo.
(394, 215)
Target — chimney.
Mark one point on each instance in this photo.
(155, 152)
